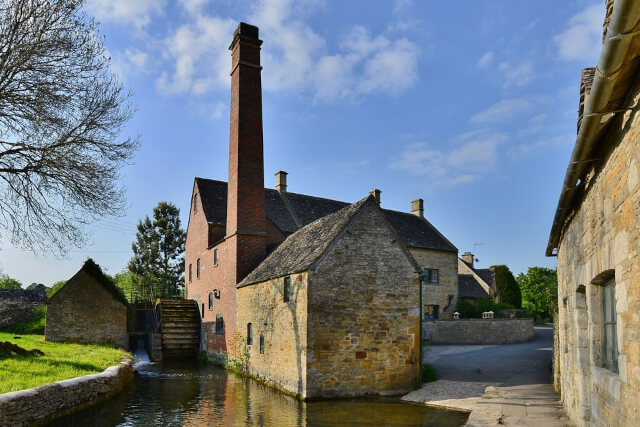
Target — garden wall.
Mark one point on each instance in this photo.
(39, 405)
(478, 331)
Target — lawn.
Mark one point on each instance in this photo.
(60, 362)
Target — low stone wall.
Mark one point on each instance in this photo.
(39, 405)
(478, 331)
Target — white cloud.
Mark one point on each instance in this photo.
(517, 74)
(582, 39)
(503, 110)
(193, 7)
(136, 12)
(485, 60)
(465, 163)
(127, 62)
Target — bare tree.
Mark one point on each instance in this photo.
(61, 114)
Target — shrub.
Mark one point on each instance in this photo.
(507, 286)
(470, 310)
(429, 373)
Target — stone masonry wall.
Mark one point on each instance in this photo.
(39, 405)
(478, 331)
(84, 312)
(363, 325)
(438, 294)
(284, 327)
(603, 235)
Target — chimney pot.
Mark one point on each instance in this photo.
(468, 258)
(417, 207)
(281, 181)
(376, 194)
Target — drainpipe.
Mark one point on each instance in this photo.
(420, 281)
(625, 16)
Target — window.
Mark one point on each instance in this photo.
(431, 311)
(198, 268)
(261, 344)
(195, 202)
(215, 257)
(287, 289)
(431, 275)
(203, 310)
(610, 344)
(210, 300)
(190, 273)
(219, 324)
(249, 334)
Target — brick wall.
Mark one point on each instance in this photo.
(83, 311)
(363, 314)
(284, 327)
(438, 294)
(603, 235)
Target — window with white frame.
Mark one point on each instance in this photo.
(431, 275)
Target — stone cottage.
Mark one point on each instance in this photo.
(89, 308)
(234, 225)
(333, 311)
(596, 238)
(474, 283)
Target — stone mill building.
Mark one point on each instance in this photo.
(321, 295)
(596, 237)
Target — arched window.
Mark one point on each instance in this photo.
(610, 344)
(210, 300)
(261, 344)
(249, 334)
(203, 310)
(195, 202)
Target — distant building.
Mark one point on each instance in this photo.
(234, 226)
(89, 308)
(596, 237)
(475, 283)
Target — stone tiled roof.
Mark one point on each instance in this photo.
(486, 274)
(301, 249)
(415, 231)
(468, 287)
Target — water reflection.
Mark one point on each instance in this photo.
(179, 394)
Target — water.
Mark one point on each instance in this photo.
(140, 356)
(168, 394)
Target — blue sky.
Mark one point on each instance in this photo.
(471, 107)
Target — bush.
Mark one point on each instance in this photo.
(470, 310)
(507, 286)
(429, 373)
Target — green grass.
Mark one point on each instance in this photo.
(60, 362)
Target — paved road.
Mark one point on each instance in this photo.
(500, 384)
(508, 365)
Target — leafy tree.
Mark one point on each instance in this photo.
(158, 252)
(539, 291)
(55, 287)
(128, 284)
(7, 282)
(61, 113)
(507, 286)
(37, 287)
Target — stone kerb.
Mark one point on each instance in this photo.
(478, 331)
(39, 405)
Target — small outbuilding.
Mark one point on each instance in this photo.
(89, 308)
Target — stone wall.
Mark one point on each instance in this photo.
(284, 327)
(445, 293)
(602, 236)
(363, 325)
(17, 306)
(39, 405)
(84, 312)
(478, 331)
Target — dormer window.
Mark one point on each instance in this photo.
(195, 202)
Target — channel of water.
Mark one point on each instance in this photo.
(182, 393)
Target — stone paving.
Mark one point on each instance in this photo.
(499, 384)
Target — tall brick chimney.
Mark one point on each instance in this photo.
(246, 223)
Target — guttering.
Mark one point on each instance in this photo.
(624, 19)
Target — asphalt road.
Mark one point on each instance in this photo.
(506, 365)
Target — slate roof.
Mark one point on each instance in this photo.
(304, 247)
(415, 232)
(485, 274)
(469, 287)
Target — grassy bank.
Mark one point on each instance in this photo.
(60, 362)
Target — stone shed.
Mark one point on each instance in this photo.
(334, 310)
(89, 308)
